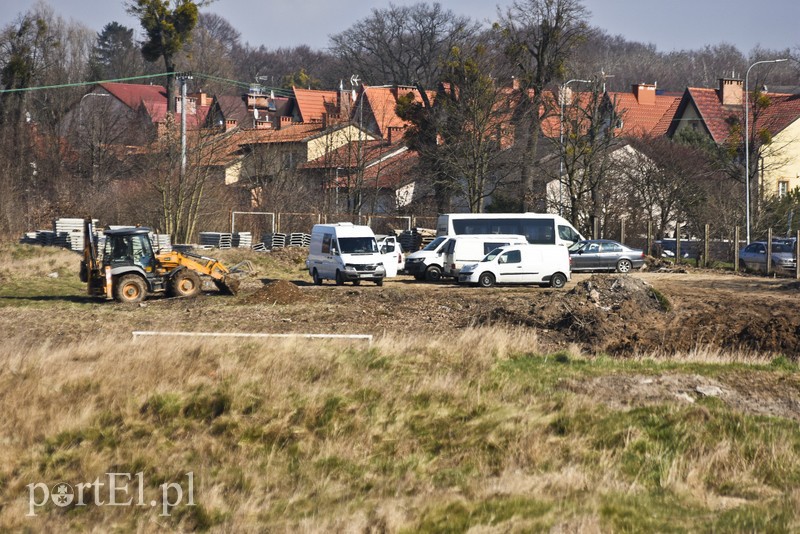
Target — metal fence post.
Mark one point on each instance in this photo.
(622, 230)
(797, 255)
(649, 237)
(678, 243)
(769, 252)
(705, 245)
(736, 249)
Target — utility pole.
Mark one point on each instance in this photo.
(183, 78)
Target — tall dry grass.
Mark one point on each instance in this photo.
(409, 433)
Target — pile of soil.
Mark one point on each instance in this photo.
(609, 313)
(278, 292)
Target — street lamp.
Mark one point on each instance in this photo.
(747, 140)
(562, 97)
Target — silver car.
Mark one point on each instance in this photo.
(754, 257)
(604, 255)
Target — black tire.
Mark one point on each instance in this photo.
(356, 282)
(558, 280)
(433, 273)
(379, 282)
(742, 266)
(184, 283)
(419, 277)
(130, 289)
(486, 280)
(339, 278)
(315, 276)
(624, 265)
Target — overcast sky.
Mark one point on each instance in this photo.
(669, 24)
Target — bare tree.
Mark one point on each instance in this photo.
(402, 44)
(539, 37)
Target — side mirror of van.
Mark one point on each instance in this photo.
(384, 249)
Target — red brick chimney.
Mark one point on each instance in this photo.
(730, 92)
(645, 93)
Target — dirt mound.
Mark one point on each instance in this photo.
(278, 292)
(617, 313)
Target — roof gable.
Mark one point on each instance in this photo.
(311, 103)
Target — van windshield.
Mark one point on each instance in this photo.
(492, 255)
(357, 245)
(435, 243)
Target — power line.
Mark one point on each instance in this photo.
(79, 84)
(236, 83)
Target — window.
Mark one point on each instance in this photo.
(567, 234)
(512, 256)
(783, 189)
(610, 247)
(326, 243)
(488, 247)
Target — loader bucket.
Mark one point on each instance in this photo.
(227, 285)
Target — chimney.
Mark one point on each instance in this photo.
(284, 122)
(730, 92)
(645, 93)
(392, 132)
(230, 124)
(201, 98)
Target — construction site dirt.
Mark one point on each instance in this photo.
(666, 312)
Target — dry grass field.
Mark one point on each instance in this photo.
(624, 406)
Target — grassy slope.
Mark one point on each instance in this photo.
(409, 435)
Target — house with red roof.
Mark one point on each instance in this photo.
(718, 114)
(643, 112)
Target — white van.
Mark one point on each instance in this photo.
(428, 263)
(538, 228)
(344, 252)
(525, 264)
(463, 249)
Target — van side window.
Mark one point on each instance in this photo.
(488, 247)
(512, 256)
(326, 243)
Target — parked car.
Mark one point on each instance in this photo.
(471, 248)
(604, 255)
(520, 264)
(754, 257)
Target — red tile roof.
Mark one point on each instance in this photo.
(381, 103)
(311, 103)
(153, 99)
(287, 134)
(783, 110)
(643, 118)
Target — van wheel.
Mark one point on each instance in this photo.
(339, 278)
(356, 282)
(379, 282)
(433, 274)
(419, 277)
(317, 279)
(486, 280)
(558, 281)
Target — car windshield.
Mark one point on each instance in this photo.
(577, 246)
(492, 255)
(435, 243)
(781, 247)
(357, 245)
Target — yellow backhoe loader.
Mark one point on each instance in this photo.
(128, 269)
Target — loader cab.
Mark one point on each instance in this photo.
(128, 247)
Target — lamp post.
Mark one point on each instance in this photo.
(561, 157)
(747, 140)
